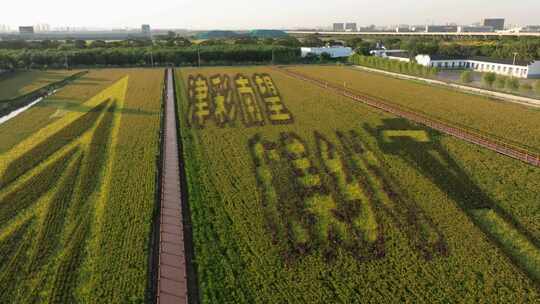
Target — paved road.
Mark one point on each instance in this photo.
(172, 278)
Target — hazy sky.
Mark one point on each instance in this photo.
(247, 14)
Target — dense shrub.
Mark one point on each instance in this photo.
(512, 84)
(488, 79)
(466, 77)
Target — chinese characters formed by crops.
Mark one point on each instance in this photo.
(339, 203)
(223, 100)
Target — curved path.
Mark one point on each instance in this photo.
(501, 147)
(172, 284)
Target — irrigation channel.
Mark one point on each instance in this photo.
(174, 233)
(522, 154)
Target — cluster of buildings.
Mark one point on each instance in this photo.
(44, 31)
(489, 25)
(507, 67)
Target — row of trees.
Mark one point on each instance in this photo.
(192, 55)
(409, 68)
(502, 83)
(161, 41)
(504, 48)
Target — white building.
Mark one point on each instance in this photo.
(519, 69)
(400, 55)
(333, 51)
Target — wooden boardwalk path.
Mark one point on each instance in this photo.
(499, 146)
(172, 284)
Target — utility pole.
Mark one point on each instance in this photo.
(199, 55)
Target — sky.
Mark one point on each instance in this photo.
(251, 14)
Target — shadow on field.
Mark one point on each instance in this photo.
(435, 163)
(76, 106)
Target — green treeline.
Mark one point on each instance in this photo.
(409, 68)
(146, 56)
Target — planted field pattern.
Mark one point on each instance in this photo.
(302, 196)
(62, 223)
(23, 82)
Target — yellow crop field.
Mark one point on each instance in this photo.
(511, 122)
(23, 82)
(77, 194)
(302, 196)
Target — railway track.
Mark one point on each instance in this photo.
(498, 146)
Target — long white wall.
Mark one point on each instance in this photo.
(532, 70)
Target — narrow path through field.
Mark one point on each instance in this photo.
(498, 146)
(172, 270)
(527, 101)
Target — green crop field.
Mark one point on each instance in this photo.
(511, 122)
(77, 191)
(23, 82)
(302, 196)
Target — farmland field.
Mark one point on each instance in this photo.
(23, 82)
(511, 122)
(302, 196)
(77, 191)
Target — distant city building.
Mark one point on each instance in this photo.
(145, 29)
(403, 29)
(441, 28)
(507, 67)
(530, 29)
(418, 28)
(475, 29)
(333, 51)
(496, 23)
(4, 28)
(26, 30)
(339, 27)
(351, 27)
(40, 28)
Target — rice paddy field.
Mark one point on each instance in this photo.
(302, 196)
(511, 122)
(77, 191)
(297, 195)
(13, 85)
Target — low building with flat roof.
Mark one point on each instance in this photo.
(333, 51)
(506, 67)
